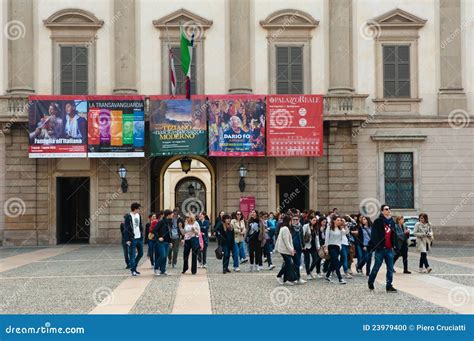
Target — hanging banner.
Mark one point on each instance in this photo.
(236, 125)
(116, 126)
(178, 125)
(57, 126)
(295, 125)
(246, 204)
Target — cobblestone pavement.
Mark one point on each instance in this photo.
(79, 280)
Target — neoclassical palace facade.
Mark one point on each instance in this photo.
(397, 79)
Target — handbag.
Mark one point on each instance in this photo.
(219, 252)
(323, 254)
(201, 241)
(151, 236)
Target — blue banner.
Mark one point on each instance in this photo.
(238, 327)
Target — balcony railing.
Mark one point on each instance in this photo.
(335, 107)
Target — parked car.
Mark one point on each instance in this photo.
(410, 222)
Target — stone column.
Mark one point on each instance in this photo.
(19, 32)
(340, 47)
(124, 56)
(451, 93)
(239, 40)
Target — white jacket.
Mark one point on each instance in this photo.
(284, 243)
(424, 235)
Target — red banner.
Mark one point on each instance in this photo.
(295, 125)
(246, 205)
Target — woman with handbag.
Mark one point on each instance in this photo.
(254, 237)
(238, 223)
(150, 241)
(191, 232)
(402, 234)
(311, 240)
(333, 247)
(424, 237)
(284, 245)
(204, 226)
(322, 256)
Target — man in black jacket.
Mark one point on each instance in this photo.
(162, 242)
(383, 241)
(133, 233)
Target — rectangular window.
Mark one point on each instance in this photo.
(180, 77)
(74, 65)
(396, 71)
(399, 191)
(289, 70)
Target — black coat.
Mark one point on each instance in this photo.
(128, 228)
(377, 239)
(162, 230)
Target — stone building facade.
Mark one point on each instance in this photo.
(342, 44)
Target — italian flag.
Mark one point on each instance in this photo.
(186, 59)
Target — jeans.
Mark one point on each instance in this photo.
(202, 256)
(267, 249)
(241, 248)
(285, 267)
(255, 251)
(161, 254)
(137, 244)
(126, 252)
(271, 234)
(310, 260)
(173, 252)
(345, 257)
(424, 260)
(365, 258)
(380, 256)
(334, 264)
(403, 252)
(297, 261)
(191, 246)
(227, 249)
(151, 251)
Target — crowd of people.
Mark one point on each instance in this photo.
(323, 246)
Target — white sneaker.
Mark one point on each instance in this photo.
(280, 280)
(259, 268)
(157, 273)
(309, 277)
(288, 283)
(429, 270)
(271, 267)
(301, 281)
(236, 269)
(342, 281)
(421, 270)
(204, 266)
(301, 268)
(348, 275)
(319, 276)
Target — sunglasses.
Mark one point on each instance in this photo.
(386, 209)
(238, 214)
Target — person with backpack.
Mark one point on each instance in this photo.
(226, 239)
(177, 225)
(284, 246)
(133, 231)
(311, 246)
(162, 238)
(383, 242)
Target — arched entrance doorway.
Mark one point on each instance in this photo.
(190, 195)
(170, 186)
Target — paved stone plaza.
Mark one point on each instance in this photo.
(92, 279)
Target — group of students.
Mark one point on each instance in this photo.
(306, 240)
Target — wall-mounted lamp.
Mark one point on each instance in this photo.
(243, 174)
(122, 171)
(191, 190)
(185, 164)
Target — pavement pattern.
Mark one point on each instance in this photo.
(92, 279)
